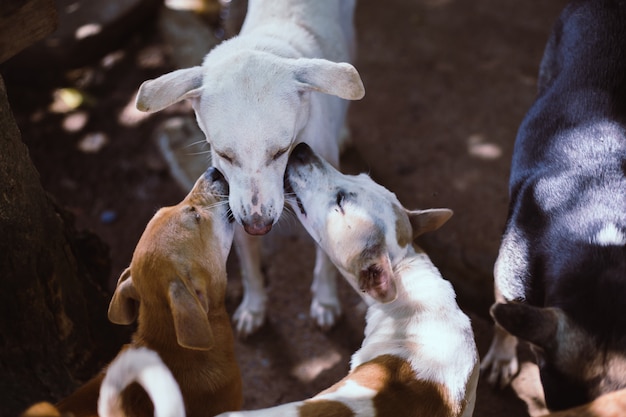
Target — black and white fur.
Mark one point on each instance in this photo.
(560, 276)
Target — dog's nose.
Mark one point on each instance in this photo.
(301, 154)
(258, 226)
(213, 174)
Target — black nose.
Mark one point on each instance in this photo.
(302, 154)
(213, 174)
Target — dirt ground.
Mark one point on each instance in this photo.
(447, 83)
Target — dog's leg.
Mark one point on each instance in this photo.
(251, 312)
(325, 306)
(501, 358)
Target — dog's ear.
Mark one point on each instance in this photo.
(377, 280)
(124, 305)
(193, 330)
(337, 79)
(423, 221)
(157, 94)
(536, 325)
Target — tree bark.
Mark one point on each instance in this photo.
(54, 333)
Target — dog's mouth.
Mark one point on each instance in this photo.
(290, 195)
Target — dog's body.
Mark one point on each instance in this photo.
(176, 284)
(563, 253)
(418, 357)
(283, 80)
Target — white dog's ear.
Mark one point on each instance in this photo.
(124, 305)
(423, 221)
(337, 79)
(157, 94)
(191, 323)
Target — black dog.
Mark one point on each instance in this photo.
(562, 262)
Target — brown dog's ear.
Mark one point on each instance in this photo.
(193, 330)
(378, 281)
(423, 221)
(124, 305)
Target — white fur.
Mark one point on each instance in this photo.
(283, 80)
(144, 366)
(422, 326)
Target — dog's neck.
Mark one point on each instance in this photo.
(422, 326)
(155, 329)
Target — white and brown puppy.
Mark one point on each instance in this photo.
(175, 287)
(561, 269)
(418, 357)
(283, 80)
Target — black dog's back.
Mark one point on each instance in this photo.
(565, 241)
(568, 173)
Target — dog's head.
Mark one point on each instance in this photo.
(575, 366)
(360, 224)
(178, 268)
(251, 107)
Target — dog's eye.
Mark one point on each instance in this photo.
(194, 213)
(280, 153)
(341, 196)
(225, 157)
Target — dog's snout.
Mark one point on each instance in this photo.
(213, 174)
(258, 225)
(216, 180)
(301, 154)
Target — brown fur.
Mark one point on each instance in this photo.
(399, 389)
(176, 286)
(327, 408)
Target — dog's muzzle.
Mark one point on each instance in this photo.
(258, 225)
(216, 182)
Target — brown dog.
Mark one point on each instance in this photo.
(176, 286)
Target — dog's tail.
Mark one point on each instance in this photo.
(145, 367)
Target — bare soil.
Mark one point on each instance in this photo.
(447, 83)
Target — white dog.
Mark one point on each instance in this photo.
(283, 80)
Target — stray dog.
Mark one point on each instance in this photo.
(176, 285)
(283, 80)
(560, 276)
(418, 357)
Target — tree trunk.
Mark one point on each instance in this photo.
(54, 332)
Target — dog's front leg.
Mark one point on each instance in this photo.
(501, 359)
(325, 306)
(250, 314)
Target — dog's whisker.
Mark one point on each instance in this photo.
(199, 153)
(289, 215)
(197, 143)
(218, 204)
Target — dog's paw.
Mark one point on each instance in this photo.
(499, 367)
(500, 373)
(325, 314)
(247, 321)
